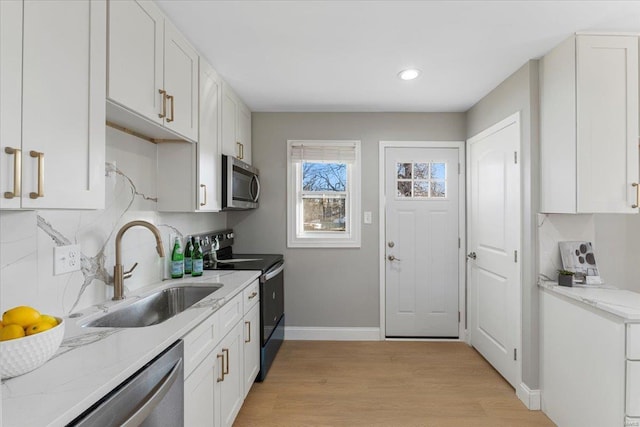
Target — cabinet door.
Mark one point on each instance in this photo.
(251, 347)
(230, 391)
(244, 132)
(63, 109)
(181, 83)
(229, 122)
(607, 129)
(136, 30)
(199, 393)
(10, 102)
(209, 140)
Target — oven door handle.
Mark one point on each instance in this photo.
(273, 272)
(154, 397)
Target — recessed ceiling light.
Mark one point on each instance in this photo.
(409, 74)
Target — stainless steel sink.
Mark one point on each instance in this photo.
(155, 308)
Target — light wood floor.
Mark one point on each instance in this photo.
(321, 383)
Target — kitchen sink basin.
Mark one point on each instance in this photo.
(155, 308)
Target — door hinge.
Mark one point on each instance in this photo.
(458, 168)
(459, 243)
(515, 354)
(458, 317)
(515, 157)
(515, 256)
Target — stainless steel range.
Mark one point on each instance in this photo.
(217, 247)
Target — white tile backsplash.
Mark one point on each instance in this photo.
(27, 238)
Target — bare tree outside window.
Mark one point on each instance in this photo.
(324, 196)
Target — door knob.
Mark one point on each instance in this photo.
(392, 258)
(472, 255)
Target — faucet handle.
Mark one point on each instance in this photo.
(129, 273)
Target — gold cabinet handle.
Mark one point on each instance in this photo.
(635, 184)
(249, 324)
(226, 362)
(253, 295)
(240, 150)
(170, 98)
(40, 157)
(164, 103)
(220, 356)
(17, 172)
(205, 194)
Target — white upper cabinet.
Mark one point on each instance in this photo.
(236, 126)
(189, 174)
(589, 126)
(52, 104)
(152, 73)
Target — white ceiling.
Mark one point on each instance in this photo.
(345, 55)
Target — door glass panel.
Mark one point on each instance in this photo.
(404, 170)
(421, 180)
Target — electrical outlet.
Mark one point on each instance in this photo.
(66, 259)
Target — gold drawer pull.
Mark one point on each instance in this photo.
(252, 295)
(249, 324)
(40, 157)
(220, 356)
(226, 362)
(205, 194)
(164, 103)
(17, 172)
(635, 184)
(170, 98)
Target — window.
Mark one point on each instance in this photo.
(323, 194)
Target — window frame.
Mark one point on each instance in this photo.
(296, 236)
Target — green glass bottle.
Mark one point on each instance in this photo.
(197, 259)
(177, 260)
(188, 251)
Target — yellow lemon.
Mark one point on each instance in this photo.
(48, 319)
(10, 332)
(38, 327)
(23, 316)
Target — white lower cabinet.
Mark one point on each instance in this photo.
(229, 386)
(220, 371)
(251, 347)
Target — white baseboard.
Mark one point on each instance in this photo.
(331, 334)
(530, 398)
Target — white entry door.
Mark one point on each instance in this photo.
(493, 266)
(421, 241)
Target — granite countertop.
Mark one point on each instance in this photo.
(92, 361)
(619, 302)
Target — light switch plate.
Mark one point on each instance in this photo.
(367, 217)
(66, 259)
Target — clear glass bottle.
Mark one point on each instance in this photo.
(188, 252)
(177, 260)
(197, 258)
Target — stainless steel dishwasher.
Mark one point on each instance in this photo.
(152, 397)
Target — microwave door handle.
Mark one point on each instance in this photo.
(257, 181)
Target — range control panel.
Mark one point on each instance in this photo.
(215, 240)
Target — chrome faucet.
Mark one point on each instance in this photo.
(118, 271)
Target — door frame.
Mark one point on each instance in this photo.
(462, 229)
(509, 120)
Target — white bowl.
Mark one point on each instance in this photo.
(21, 355)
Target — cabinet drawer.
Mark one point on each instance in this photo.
(633, 341)
(199, 342)
(230, 314)
(251, 296)
(633, 389)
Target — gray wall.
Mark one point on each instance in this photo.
(519, 92)
(328, 287)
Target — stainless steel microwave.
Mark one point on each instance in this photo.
(240, 185)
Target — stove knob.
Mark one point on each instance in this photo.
(229, 235)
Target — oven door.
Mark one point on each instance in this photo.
(271, 299)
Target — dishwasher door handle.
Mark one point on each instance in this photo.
(154, 397)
